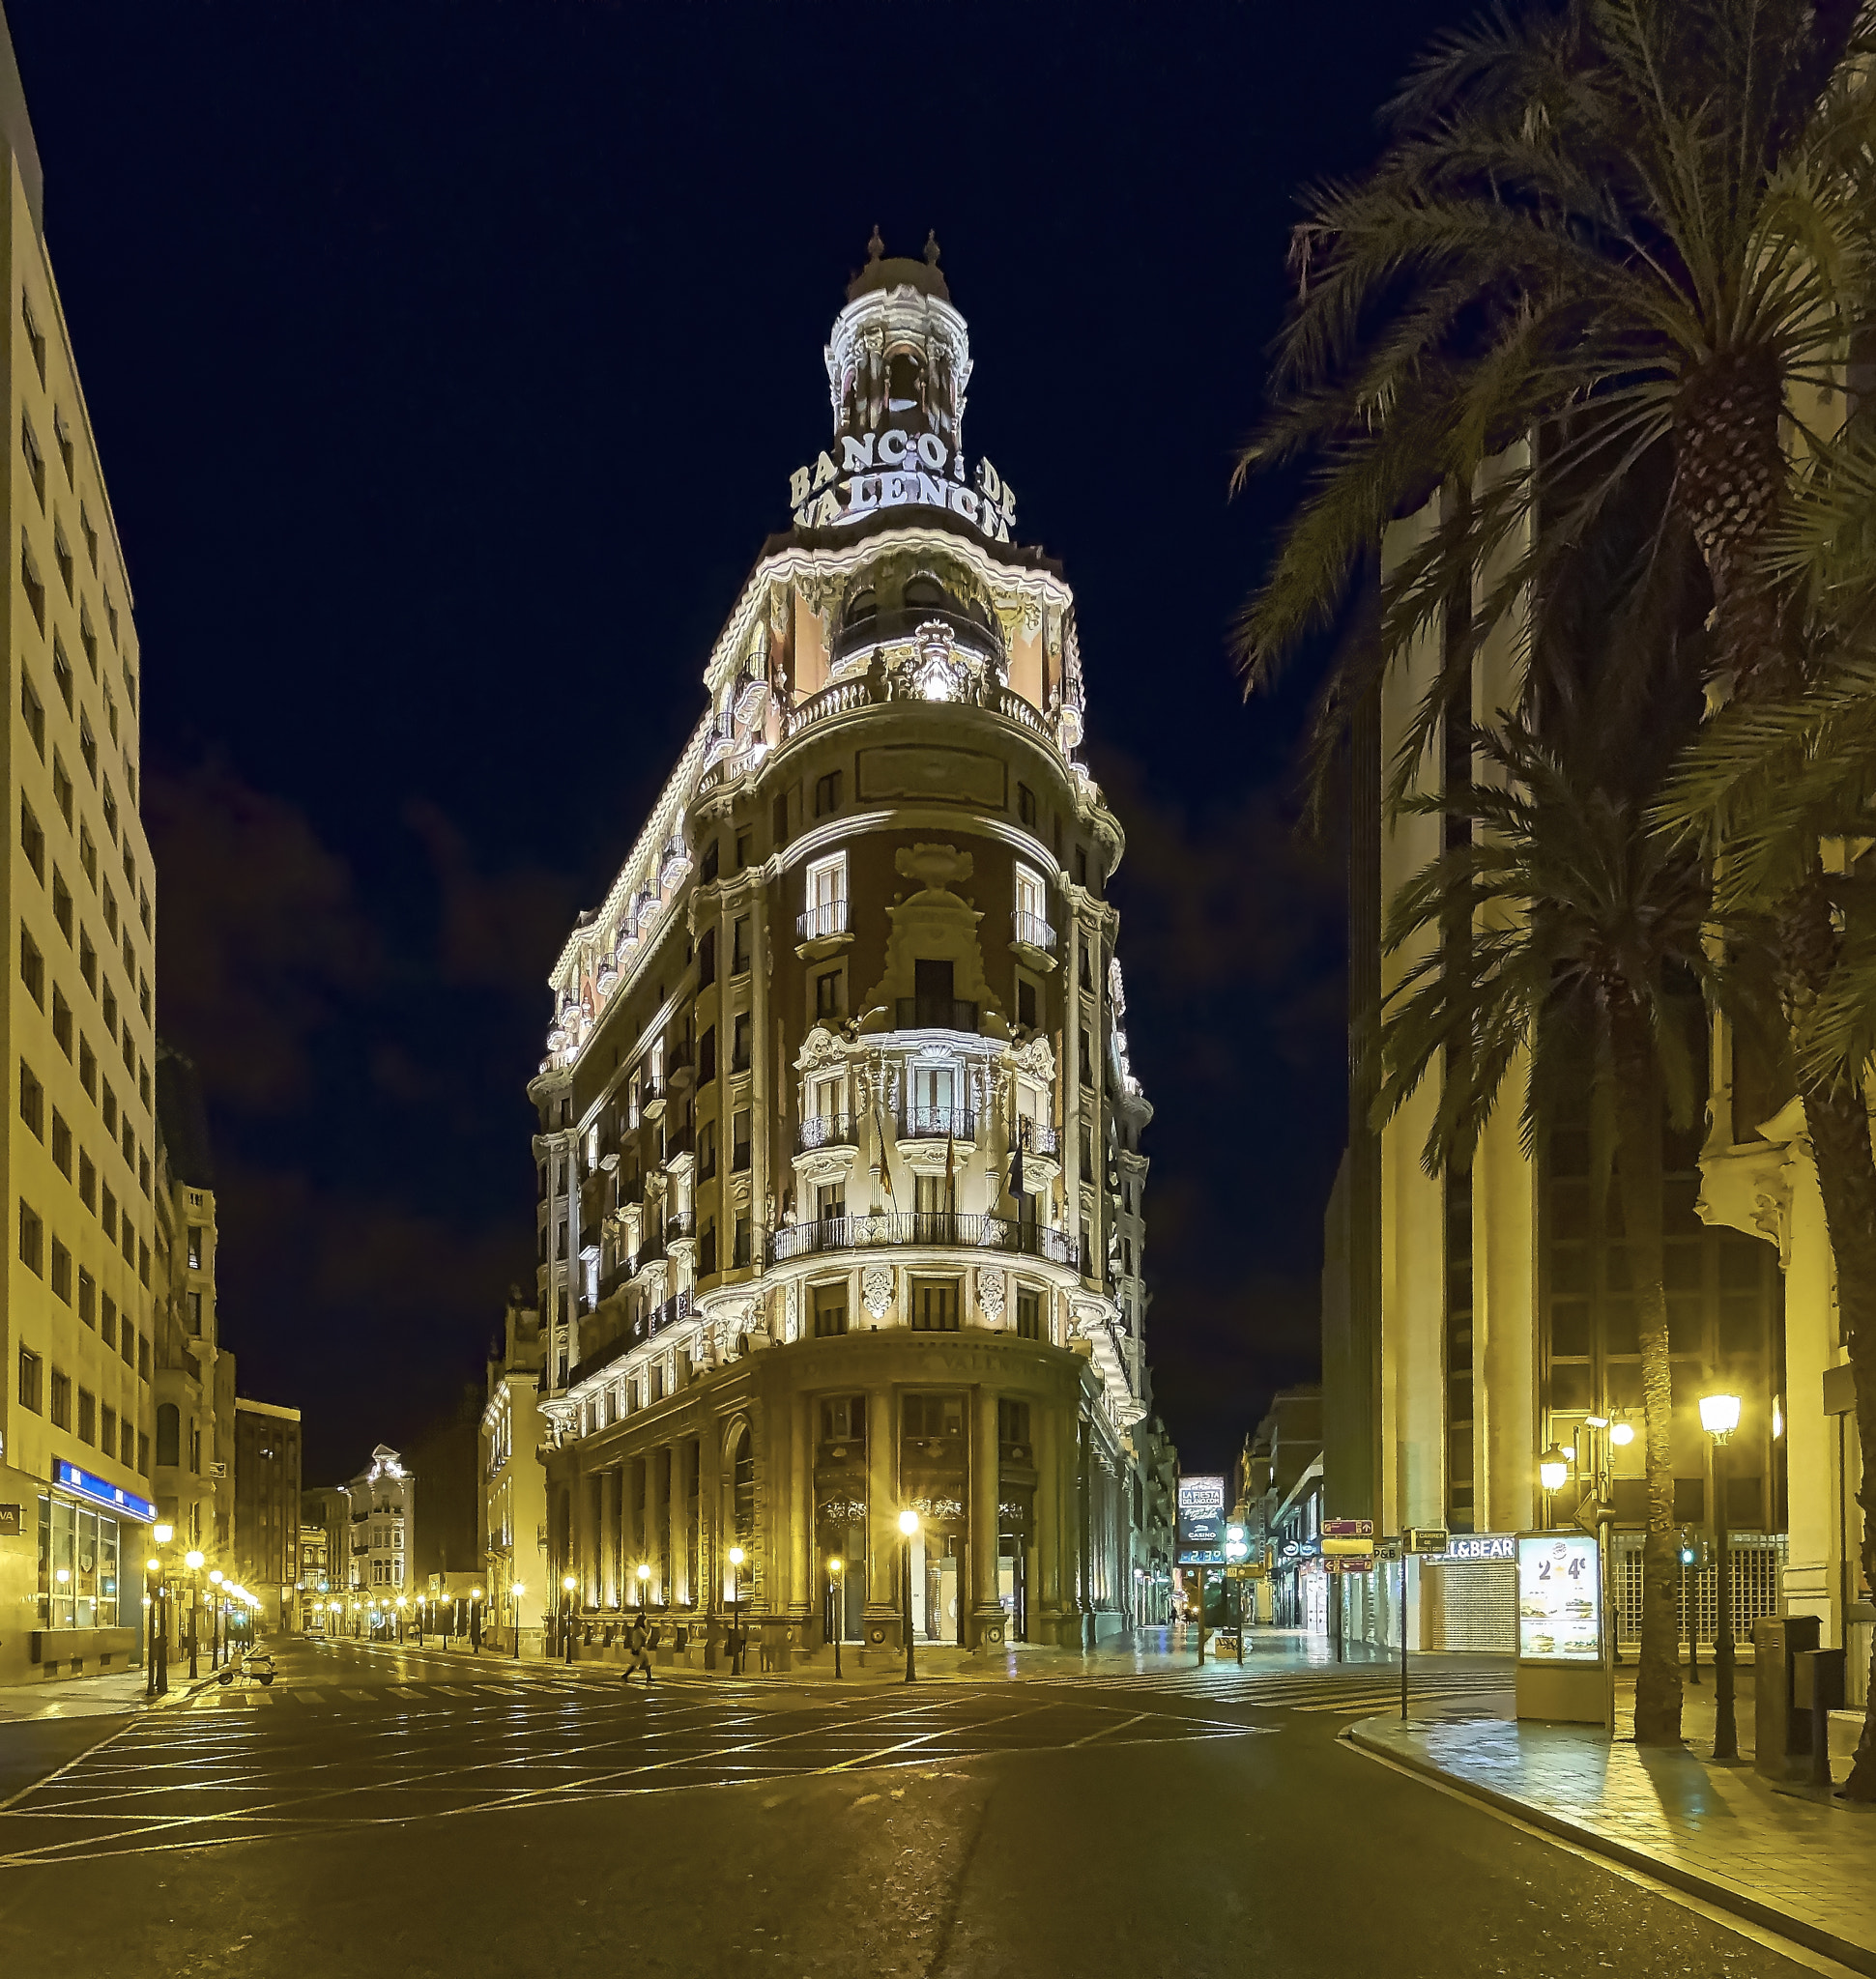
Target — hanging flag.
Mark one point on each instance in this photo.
(1016, 1166)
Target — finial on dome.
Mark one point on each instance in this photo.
(875, 247)
(930, 249)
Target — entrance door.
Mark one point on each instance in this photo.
(1013, 1585)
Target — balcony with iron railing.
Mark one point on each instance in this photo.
(938, 1123)
(825, 1131)
(1032, 931)
(934, 1228)
(823, 921)
(647, 1326)
(935, 1014)
(1039, 1137)
(679, 1225)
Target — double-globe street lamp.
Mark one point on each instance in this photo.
(735, 1611)
(192, 1559)
(1719, 1418)
(157, 1683)
(834, 1566)
(909, 1528)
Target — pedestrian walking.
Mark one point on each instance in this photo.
(638, 1643)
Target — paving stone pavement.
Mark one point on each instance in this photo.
(1799, 1864)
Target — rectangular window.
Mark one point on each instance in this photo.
(1012, 1421)
(744, 848)
(62, 791)
(739, 1140)
(32, 967)
(32, 1374)
(925, 1418)
(61, 1400)
(32, 711)
(107, 1431)
(827, 997)
(706, 1056)
(88, 855)
(32, 1101)
(143, 1450)
(742, 1252)
(87, 1416)
(739, 1043)
(143, 1355)
(712, 862)
(826, 793)
(31, 840)
(32, 1241)
(61, 1144)
(707, 1249)
(829, 1310)
(1087, 1058)
(108, 1323)
(707, 1149)
(87, 1298)
(739, 945)
(194, 1248)
(87, 1068)
(935, 1306)
(35, 465)
(1025, 1003)
(61, 1272)
(62, 904)
(195, 1314)
(61, 666)
(87, 1182)
(830, 1201)
(1025, 806)
(35, 341)
(1029, 1315)
(827, 899)
(706, 959)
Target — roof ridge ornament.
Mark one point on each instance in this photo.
(931, 246)
(875, 247)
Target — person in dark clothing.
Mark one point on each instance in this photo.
(638, 1643)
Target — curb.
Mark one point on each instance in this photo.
(177, 1694)
(1722, 1896)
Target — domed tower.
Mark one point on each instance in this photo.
(839, 1151)
(899, 354)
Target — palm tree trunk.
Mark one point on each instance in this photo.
(1838, 1120)
(1639, 1106)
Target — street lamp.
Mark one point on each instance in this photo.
(735, 1611)
(1719, 1418)
(192, 1559)
(216, 1612)
(567, 1584)
(476, 1619)
(515, 1593)
(834, 1566)
(1553, 1467)
(643, 1575)
(908, 1527)
(401, 1618)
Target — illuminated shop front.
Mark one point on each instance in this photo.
(92, 1537)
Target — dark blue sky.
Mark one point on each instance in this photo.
(447, 363)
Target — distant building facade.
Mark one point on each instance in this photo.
(518, 1585)
(267, 1507)
(839, 1150)
(327, 1511)
(383, 1526)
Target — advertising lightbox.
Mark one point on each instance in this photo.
(1559, 1598)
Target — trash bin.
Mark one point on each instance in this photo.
(1817, 1690)
(1782, 1732)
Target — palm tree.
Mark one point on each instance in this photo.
(1617, 226)
(1584, 953)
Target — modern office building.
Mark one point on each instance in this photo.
(267, 1507)
(839, 1150)
(77, 1325)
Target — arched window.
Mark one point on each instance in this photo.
(743, 1473)
(905, 390)
(924, 593)
(863, 604)
(170, 1433)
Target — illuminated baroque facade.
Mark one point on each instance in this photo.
(839, 1154)
(80, 1319)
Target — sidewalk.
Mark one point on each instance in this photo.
(112, 1694)
(1798, 1863)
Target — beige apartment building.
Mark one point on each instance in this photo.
(77, 1332)
(839, 1149)
(512, 1493)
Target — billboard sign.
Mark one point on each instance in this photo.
(1559, 1598)
(1201, 1520)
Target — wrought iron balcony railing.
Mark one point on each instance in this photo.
(825, 1131)
(826, 918)
(935, 1228)
(938, 1123)
(1033, 932)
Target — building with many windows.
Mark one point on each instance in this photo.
(267, 1507)
(512, 1487)
(78, 1322)
(839, 1149)
(382, 1523)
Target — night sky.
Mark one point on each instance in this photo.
(448, 364)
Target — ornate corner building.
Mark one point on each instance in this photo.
(840, 1181)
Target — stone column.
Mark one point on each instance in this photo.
(1047, 1593)
(657, 1477)
(576, 1538)
(676, 1504)
(882, 1513)
(985, 1474)
(797, 1519)
(612, 1575)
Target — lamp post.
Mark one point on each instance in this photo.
(476, 1619)
(735, 1611)
(215, 1617)
(515, 1593)
(834, 1566)
(1553, 1467)
(401, 1619)
(567, 1584)
(1719, 1418)
(908, 1528)
(643, 1575)
(192, 1559)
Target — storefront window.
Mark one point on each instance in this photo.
(79, 1586)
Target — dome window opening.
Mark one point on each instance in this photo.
(905, 384)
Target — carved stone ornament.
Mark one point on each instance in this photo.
(876, 1289)
(993, 1288)
(820, 1047)
(792, 1323)
(1036, 1060)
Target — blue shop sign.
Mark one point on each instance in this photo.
(102, 1492)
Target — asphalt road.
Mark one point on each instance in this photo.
(440, 1816)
